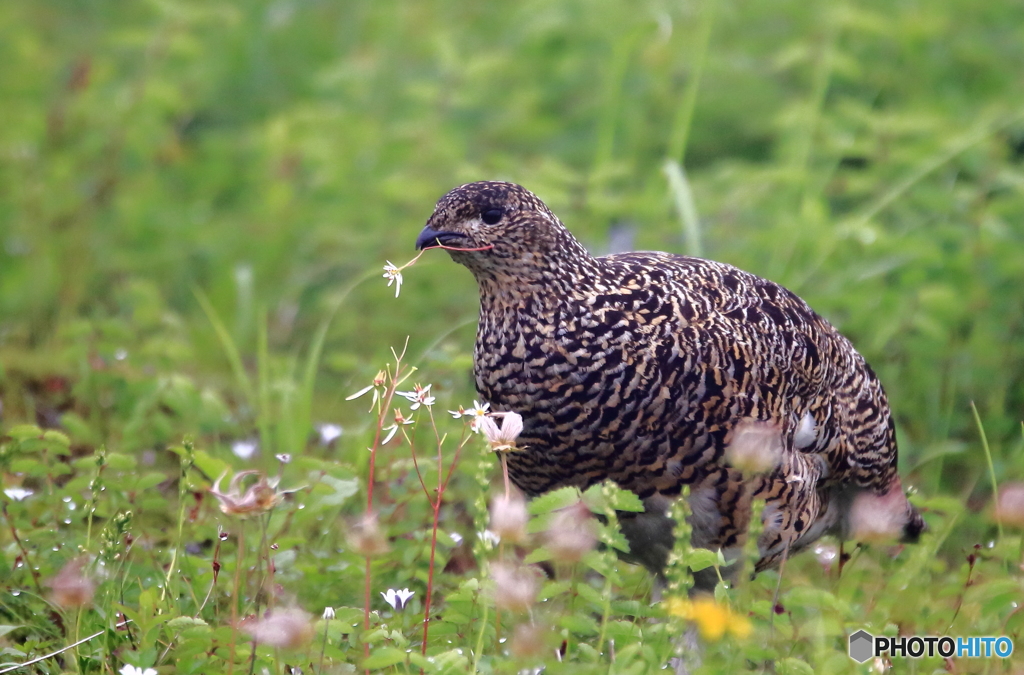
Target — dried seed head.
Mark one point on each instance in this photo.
(72, 587)
(289, 628)
(509, 518)
(530, 641)
(755, 447)
(877, 518)
(260, 497)
(571, 533)
(1009, 508)
(365, 536)
(515, 586)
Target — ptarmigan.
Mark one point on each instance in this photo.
(646, 368)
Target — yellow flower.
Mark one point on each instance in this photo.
(712, 619)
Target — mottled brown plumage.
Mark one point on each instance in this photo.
(639, 367)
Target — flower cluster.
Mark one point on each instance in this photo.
(477, 412)
(419, 395)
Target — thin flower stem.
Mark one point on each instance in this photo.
(385, 405)
(21, 547)
(504, 473)
(236, 593)
(323, 647)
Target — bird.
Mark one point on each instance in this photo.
(650, 369)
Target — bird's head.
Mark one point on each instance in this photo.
(501, 230)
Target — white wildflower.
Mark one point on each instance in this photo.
(331, 432)
(244, 449)
(418, 396)
(501, 439)
(394, 276)
(328, 613)
(397, 598)
(132, 670)
(17, 493)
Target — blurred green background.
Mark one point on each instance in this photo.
(271, 156)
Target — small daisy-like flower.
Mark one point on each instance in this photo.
(397, 598)
(418, 396)
(502, 439)
(132, 670)
(394, 276)
(392, 429)
(477, 412)
(328, 613)
(713, 619)
(376, 387)
(260, 497)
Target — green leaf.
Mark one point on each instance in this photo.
(58, 438)
(793, 666)
(4, 630)
(149, 480)
(119, 462)
(341, 490)
(22, 432)
(579, 624)
(183, 622)
(384, 657)
(553, 501)
(701, 558)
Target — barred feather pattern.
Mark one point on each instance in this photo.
(637, 367)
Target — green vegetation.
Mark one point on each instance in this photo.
(197, 199)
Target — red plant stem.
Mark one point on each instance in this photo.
(430, 573)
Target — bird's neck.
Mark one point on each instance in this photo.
(563, 269)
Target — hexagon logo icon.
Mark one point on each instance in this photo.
(861, 644)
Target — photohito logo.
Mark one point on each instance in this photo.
(864, 645)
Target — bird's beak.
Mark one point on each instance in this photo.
(431, 237)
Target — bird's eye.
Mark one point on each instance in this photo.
(492, 216)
